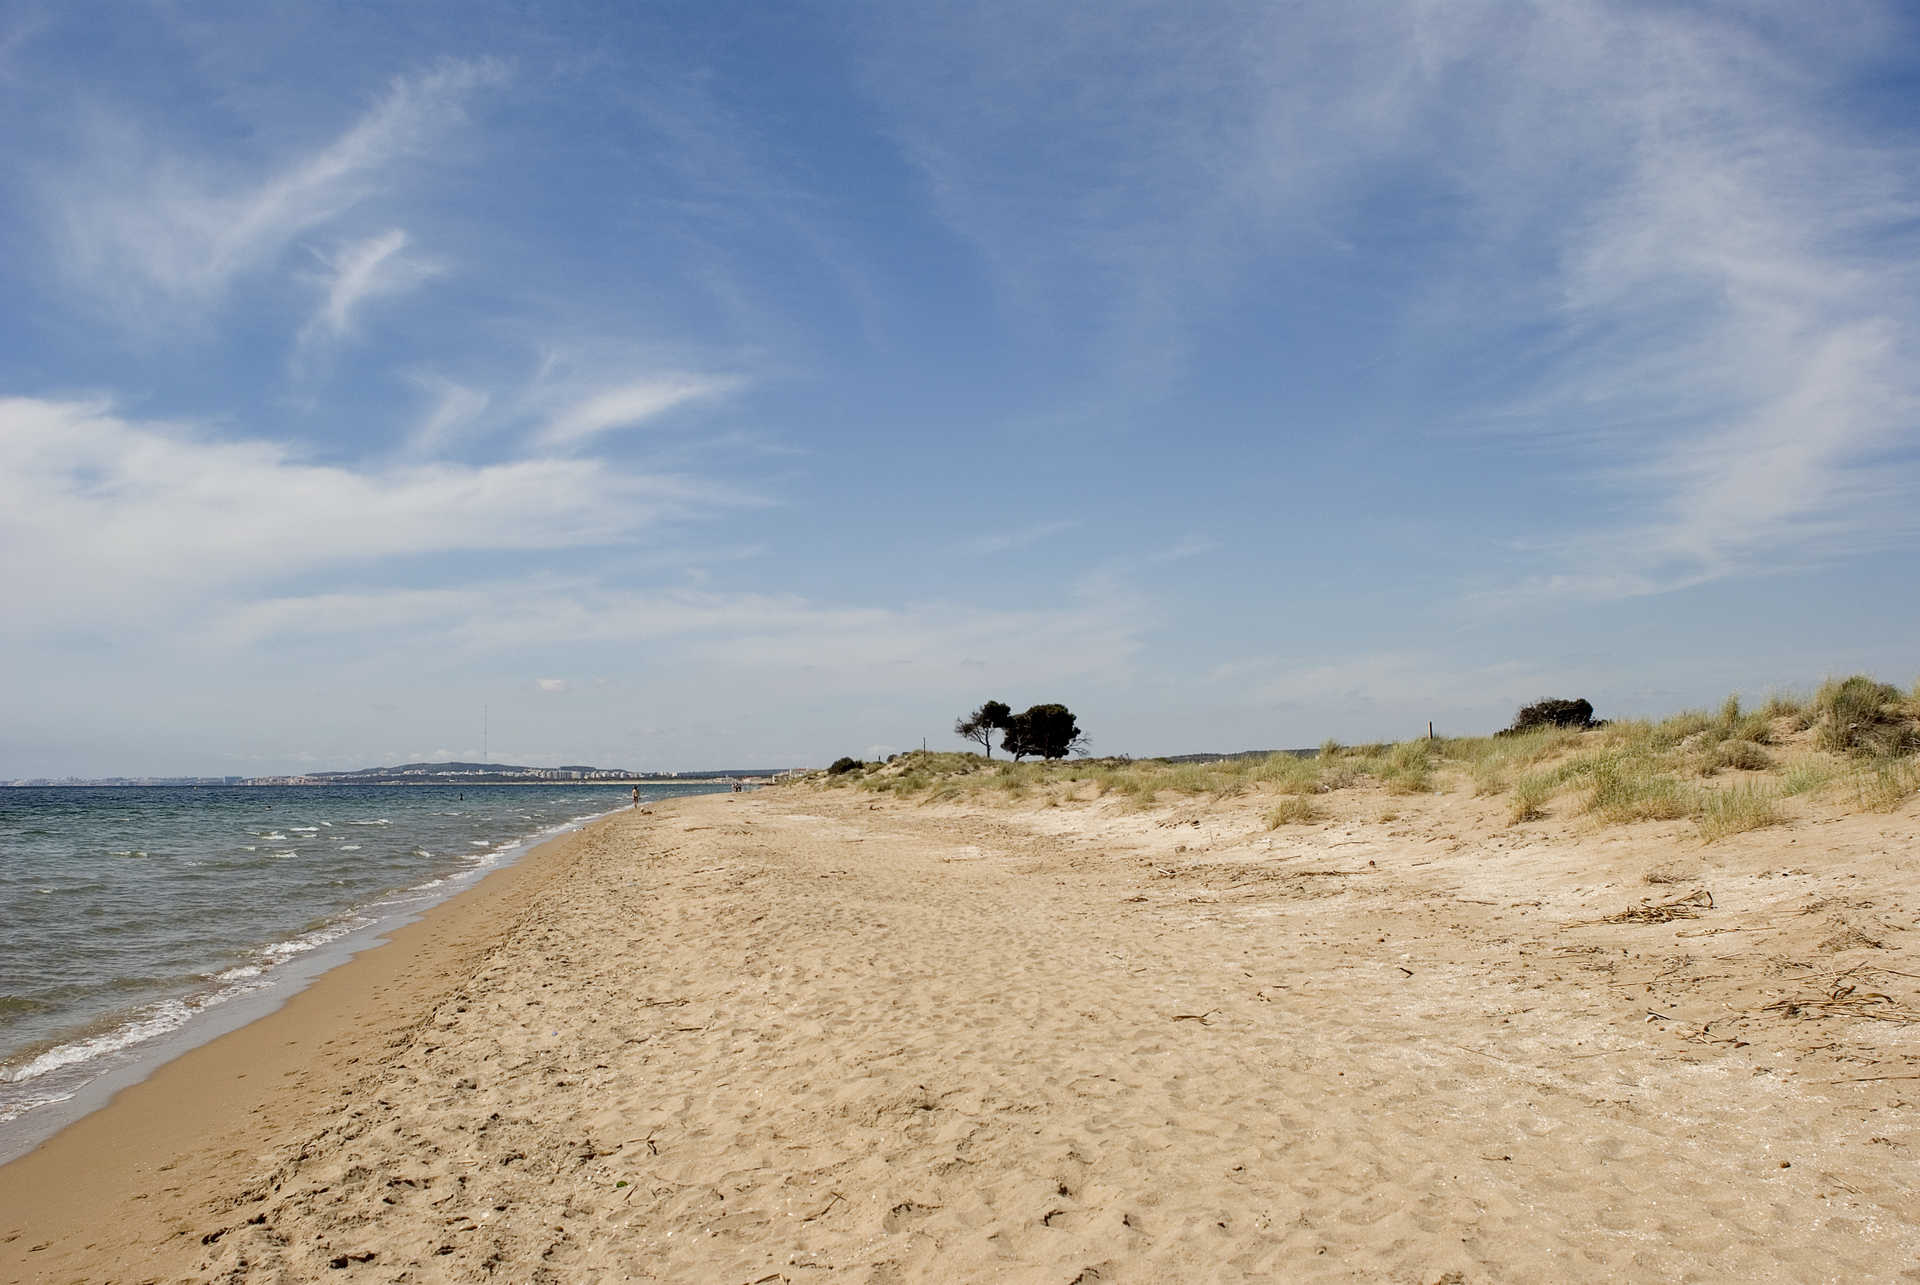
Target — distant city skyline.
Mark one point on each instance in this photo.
(722, 384)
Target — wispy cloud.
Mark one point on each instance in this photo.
(155, 232)
(628, 405)
(1710, 263)
(1022, 538)
(454, 407)
(366, 269)
(123, 513)
(871, 649)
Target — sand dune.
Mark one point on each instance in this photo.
(801, 1035)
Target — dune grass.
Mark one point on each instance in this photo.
(1885, 783)
(1294, 809)
(1747, 806)
(1728, 770)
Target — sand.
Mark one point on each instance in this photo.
(800, 1034)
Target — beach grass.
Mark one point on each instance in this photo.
(1729, 770)
(1294, 809)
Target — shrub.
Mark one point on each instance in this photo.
(1294, 810)
(841, 766)
(1859, 716)
(1553, 713)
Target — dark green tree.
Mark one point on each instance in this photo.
(991, 717)
(1048, 731)
(1554, 713)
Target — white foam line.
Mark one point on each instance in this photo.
(170, 1015)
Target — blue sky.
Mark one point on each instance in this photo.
(710, 384)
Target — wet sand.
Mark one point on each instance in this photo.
(798, 1034)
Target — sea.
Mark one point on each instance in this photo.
(138, 922)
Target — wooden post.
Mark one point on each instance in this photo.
(1429, 731)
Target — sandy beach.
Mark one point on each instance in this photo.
(805, 1034)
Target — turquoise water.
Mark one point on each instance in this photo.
(129, 915)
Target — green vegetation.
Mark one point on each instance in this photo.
(1043, 731)
(1553, 713)
(1884, 784)
(1855, 743)
(1747, 806)
(991, 717)
(1294, 810)
(1860, 716)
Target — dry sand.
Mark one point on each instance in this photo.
(800, 1035)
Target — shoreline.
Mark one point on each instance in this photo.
(152, 1147)
(124, 1056)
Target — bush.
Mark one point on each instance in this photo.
(1859, 716)
(841, 766)
(1294, 811)
(1553, 713)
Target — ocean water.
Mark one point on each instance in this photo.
(135, 922)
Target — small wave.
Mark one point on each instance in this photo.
(282, 856)
(130, 852)
(327, 824)
(349, 847)
(270, 834)
(314, 940)
(31, 1102)
(480, 843)
(19, 1004)
(304, 829)
(381, 821)
(418, 852)
(168, 1015)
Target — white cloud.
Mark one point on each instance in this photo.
(873, 650)
(122, 514)
(627, 405)
(1710, 266)
(140, 225)
(366, 269)
(455, 407)
(551, 684)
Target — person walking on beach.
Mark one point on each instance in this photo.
(636, 796)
